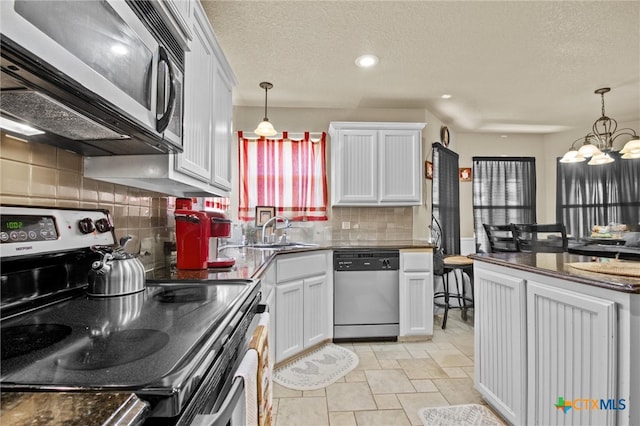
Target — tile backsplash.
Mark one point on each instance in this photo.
(371, 223)
(42, 175)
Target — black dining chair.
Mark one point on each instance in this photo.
(502, 238)
(542, 237)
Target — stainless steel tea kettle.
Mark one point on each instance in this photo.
(117, 272)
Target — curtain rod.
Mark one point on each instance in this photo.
(291, 135)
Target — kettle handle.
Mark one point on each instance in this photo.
(99, 265)
(124, 240)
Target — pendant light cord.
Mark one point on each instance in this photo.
(266, 89)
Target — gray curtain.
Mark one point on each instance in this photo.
(598, 195)
(445, 211)
(504, 191)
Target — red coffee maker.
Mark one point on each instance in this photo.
(220, 228)
(197, 237)
(193, 231)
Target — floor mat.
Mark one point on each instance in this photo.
(459, 415)
(317, 369)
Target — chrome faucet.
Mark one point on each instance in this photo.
(265, 238)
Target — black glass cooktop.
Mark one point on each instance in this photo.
(152, 337)
(23, 339)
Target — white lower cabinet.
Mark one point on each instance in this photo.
(289, 319)
(572, 354)
(315, 310)
(303, 291)
(268, 288)
(416, 292)
(500, 342)
(542, 341)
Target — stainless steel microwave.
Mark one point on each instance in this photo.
(99, 77)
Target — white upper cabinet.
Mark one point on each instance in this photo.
(376, 164)
(200, 64)
(204, 167)
(222, 132)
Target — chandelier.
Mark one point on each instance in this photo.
(265, 128)
(598, 143)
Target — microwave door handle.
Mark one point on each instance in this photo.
(166, 109)
(222, 417)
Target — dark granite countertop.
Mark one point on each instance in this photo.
(556, 265)
(70, 408)
(250, 262)
(607, 250)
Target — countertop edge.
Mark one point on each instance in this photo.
(522, 261)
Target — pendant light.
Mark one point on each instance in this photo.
(265, 128)
(599, 142)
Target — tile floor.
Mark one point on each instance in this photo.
(392, 381)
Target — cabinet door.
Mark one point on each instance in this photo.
(221, 174)
(355, 172)
(400, 179)
(315, 310)
(500, 342)
(416, 309)
(289, 319)
(200, 69)
(416, 293)
(570, 331)
(268, 289)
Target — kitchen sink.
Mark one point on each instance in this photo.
(272, 246)
(277, 246)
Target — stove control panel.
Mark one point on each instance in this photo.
(19, 228)
(37, 230)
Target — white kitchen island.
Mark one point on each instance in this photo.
(549, 335)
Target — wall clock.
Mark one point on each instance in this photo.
(444, 136)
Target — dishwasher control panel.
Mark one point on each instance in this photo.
(366, 260)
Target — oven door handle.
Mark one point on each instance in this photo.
(223, 415)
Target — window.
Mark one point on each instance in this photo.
(504, 191)
(597, 195)
(285, 173)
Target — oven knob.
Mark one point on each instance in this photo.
(86, 225)
(103, 225)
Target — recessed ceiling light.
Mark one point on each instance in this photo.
(446, 96)
(366, 61)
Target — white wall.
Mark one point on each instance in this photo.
(422, 214)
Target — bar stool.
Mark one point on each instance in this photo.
(442, 298)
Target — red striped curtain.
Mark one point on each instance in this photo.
(285, 173)
(218, 203)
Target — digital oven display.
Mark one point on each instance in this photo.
(25, 228)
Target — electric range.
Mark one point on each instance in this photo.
(173, 344)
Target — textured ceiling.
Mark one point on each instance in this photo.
(510, 66)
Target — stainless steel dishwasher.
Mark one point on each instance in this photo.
(366, 294)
